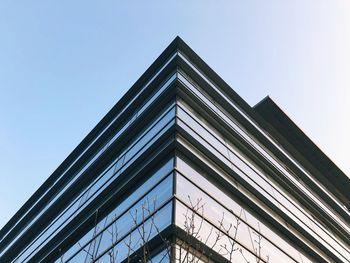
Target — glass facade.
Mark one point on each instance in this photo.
(180, 170)
(261, 182)
(224, 211)
(198, 130)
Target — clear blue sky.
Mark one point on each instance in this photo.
(64, 64)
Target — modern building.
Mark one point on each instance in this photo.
(182, 169)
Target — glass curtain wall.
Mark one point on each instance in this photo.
(124, 127)
(147, 209)
(208, 136)
(225, 225)
(138, 146)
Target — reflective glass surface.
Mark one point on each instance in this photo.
(269, 157)
(141, 143)
(123, 247)
(208, 234)
(219, 208)
(162, 257)
(191, 84)
(186, 254)
(121, 215)
(230, 155)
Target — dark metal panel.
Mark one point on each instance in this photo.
(293, 139)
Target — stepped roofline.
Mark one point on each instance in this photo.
(303, 149)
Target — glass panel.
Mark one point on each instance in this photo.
(161, 193)
(187, 254)
(229, 223)
(226, 160)
(139, 237)
(196, 226)
(162, 257)
(138, 212)
(200, 179)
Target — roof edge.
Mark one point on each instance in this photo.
(290, 136)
